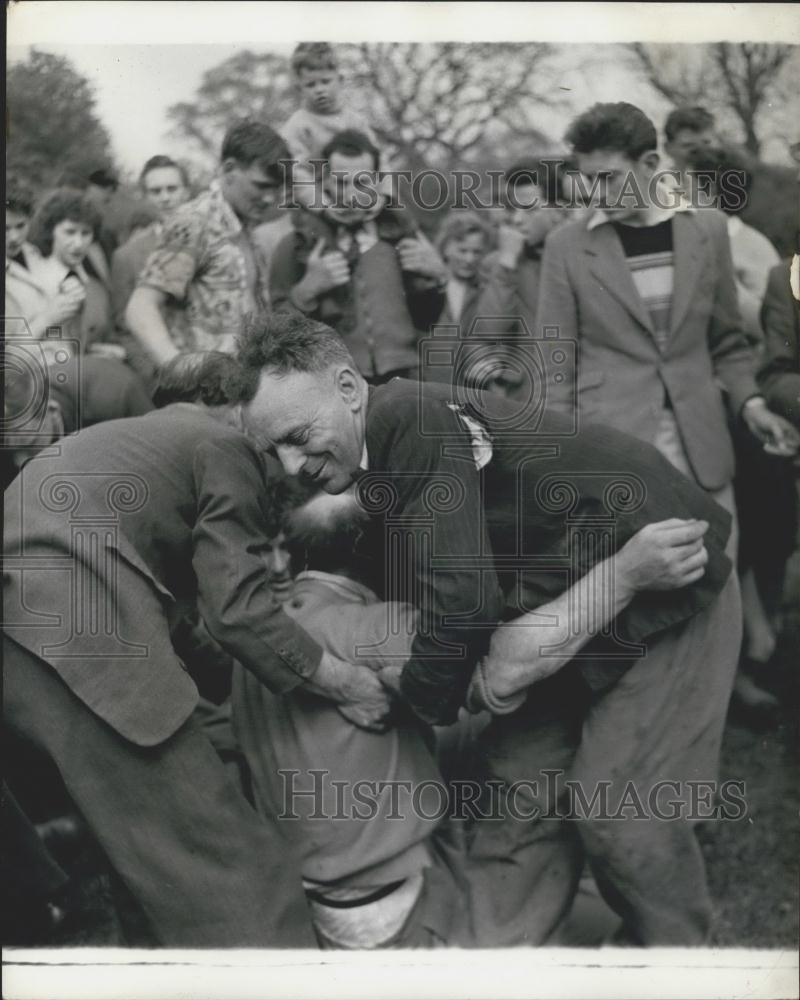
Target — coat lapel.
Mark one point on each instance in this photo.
(688, 245)
(608, 264)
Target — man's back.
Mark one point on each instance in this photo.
(296, 744)
(539, 513)
(126, 527)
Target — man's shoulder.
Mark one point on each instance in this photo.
(139, 244)
(571, 234)
(195, 213)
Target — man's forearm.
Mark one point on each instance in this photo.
(531, 648)
(304, 297)
(146, 323)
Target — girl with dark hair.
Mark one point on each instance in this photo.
(74, 299)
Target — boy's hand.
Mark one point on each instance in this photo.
(510, 244)
(356, 691)
(62, 307)
(418, 254)
(325, 271)
(662, 556)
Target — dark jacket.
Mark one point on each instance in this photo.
(779, 375)
(486, 545)
(110, 540)
(382, 310)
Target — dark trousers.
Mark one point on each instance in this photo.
(206, 870)
(661, 721)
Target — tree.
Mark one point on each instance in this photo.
(246, 85)
(445, 103)
(430, 105)
(52, 123)
(753, 84)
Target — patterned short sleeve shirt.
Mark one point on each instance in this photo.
(204, 263)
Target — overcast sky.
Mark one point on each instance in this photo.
(135, 83)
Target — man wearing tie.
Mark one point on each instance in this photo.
(362, 267)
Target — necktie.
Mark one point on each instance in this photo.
(353, 252)
(19, 258)
(69, 275)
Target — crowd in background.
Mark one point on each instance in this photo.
(686, 325)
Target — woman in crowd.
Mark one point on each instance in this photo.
(72, 296)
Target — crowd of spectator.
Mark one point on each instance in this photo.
(251, 357)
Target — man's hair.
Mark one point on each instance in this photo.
(689, 118)
(160, 162)
(22, 392)
(710, 166)
(60, 205)
(19, 197)
(104, 177)
(141, 217)
(313, 56)
(283, 342)
(326, 539)
(547, 173)
(351, 142)
(198, 377)
(283, 495)
(621, 127)
(458, 225)
(252, 142)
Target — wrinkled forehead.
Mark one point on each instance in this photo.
(284, 403)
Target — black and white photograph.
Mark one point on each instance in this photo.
(401, 470)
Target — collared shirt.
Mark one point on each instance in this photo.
(51, 273)
(599, 217)
(366, 237)
(205, 263)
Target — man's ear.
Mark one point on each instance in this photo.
(229, 165)
(650, 159)
(348, 385)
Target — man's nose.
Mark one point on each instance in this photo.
(280, 562)
(292, 459)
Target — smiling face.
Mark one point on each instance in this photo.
(315, 421)
(347, 184)
(71, 242)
